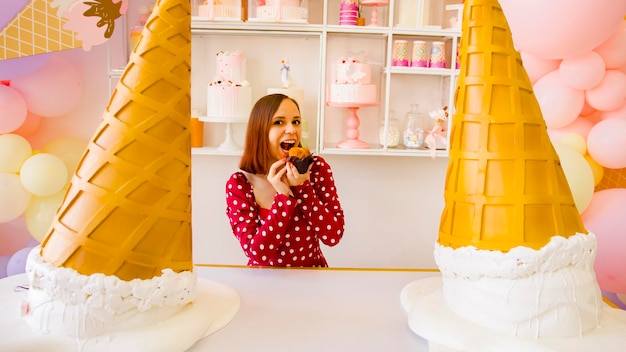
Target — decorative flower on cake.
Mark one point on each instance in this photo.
(350, 70)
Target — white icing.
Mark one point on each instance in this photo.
(63, 301)
(547, 293)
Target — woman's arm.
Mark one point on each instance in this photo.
(320, 203)
(259, 238)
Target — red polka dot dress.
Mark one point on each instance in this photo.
(289, 233)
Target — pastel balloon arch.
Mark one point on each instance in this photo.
(35, 88)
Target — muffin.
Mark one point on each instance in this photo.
(301, 158)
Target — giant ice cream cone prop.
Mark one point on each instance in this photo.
(505, 186)
(516, 262)
(115, 271)
(128, 209)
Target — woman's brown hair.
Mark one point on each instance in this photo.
(256, 152)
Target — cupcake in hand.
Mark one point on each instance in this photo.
(301, 158)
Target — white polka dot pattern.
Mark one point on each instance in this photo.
(272, 237)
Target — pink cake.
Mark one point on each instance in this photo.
(225, 10)
(281, 11)
(348, 12)
(229, 95)
(350, 82)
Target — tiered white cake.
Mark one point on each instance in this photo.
(229, 95)
(351, 82)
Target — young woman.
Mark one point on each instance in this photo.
(278, 215)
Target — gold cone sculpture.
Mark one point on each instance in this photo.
(505, 186)
(36, 30)
(128, 209)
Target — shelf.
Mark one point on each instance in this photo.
(377, 150)
(314, 46)
(199, 26)
(421, 71)
(213, 151)
(223, 119)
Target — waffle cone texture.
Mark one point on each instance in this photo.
(505, 186)
(127, 211)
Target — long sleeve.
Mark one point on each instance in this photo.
(279, 236)
(320, 205)
(259, 237)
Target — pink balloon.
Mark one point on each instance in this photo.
(561, 29)
(537, 67)
(614, 114)
(587, 109)
(580, 126)
(606, 143)
(560, 104)
(582, 72)
(53, 90)
(12, 109)
(30, 125)
(613, 50)
(605, 216)
(610, 93)
(13, 235)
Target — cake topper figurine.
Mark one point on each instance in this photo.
(285, 76)
(437, 135)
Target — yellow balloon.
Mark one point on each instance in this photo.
(14, 198)
(14, 149)
(574, 141)
(43, 174)
(578, 174)
(68, 149)
(597, 169)
(40, 213)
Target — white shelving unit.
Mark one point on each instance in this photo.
(311, 49)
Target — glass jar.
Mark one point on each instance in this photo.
(413, 136)
(392, 137)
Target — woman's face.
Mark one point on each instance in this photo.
(285, 129)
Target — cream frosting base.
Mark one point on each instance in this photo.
(62, 301)
(539, 300)
(430, 317)
(213, 307)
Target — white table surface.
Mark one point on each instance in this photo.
(315, 310)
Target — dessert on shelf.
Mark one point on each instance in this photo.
(229, 94)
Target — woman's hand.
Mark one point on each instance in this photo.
(277, 176)
(295, 178)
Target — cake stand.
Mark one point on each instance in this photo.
(352, 133)
(374, 4)
(228, 145)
